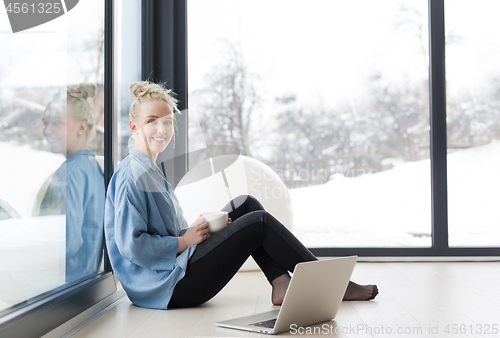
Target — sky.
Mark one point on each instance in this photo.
(317, 49)
(326, 50)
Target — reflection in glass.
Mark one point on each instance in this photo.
(77, 187)
(32, 248)
(39, 251)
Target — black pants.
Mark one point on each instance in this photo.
(253, 232)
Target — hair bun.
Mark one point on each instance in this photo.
(83, 91)
(142, 89)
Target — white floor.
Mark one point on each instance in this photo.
(416, 300)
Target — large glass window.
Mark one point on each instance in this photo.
(333, 96)
(473, 94)
(127, 70)
(51, 141)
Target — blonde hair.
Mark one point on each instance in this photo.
(144, 91)
(83, 108)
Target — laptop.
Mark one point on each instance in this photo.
(313, 296)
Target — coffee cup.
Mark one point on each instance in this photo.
(217, 220)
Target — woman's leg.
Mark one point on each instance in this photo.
(245, 204)
(354, 291)
(256, 233)
(242, 205)
(253, 232)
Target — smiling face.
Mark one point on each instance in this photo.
(153, 128)
(64, 134)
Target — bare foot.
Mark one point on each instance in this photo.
(360, 292)
(280, 285)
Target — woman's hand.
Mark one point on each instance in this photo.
(195, 234)
(229, 221)
(198, 221)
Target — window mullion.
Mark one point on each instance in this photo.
(437, 85)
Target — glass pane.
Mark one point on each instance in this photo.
(333, 96)
(473, 93)
(51, 142)
(127, 69)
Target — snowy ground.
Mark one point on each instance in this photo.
(31, 248)
(393, 208)
(22, 172)
(32, 257)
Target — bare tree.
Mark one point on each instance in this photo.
(473, 115)
(228, 101)
(410, 18)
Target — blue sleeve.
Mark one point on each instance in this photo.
(135, 243)
(75, 209)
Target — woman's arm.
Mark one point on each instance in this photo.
(133, 238)
(75, 211)
(182, 245)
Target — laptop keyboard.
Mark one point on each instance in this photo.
(267, 323)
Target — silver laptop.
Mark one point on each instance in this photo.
(313, 296)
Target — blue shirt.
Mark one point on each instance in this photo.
(142, 222)
(77, 190)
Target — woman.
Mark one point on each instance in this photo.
(77, 187)
(161, 262)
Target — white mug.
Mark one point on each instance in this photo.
(217, 220)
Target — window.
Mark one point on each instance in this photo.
(48, 237)
(348, 103)
(128, 70)
(333, 95)
(473, 86)
(52, 120)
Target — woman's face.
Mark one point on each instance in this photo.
(64, 134)
(153, 128)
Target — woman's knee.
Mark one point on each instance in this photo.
(267, 219)
(254, 202)
(255, 219)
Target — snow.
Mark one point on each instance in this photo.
(32, 257)
(22, 172)
(393, 208)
